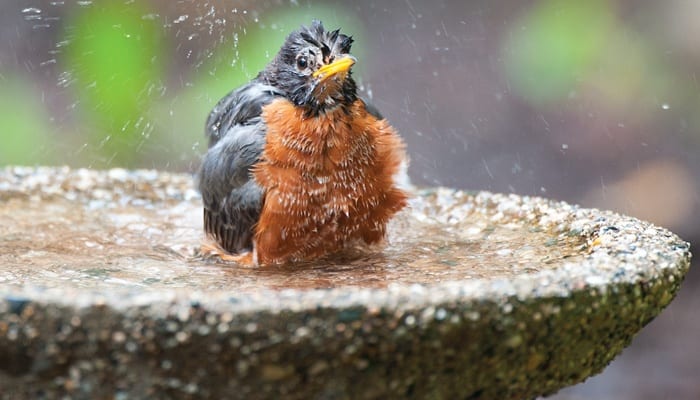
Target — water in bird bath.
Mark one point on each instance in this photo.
(120, 229)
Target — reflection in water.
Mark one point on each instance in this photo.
(102, 240)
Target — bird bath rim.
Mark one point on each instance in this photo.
(607, 236)
(518, 337)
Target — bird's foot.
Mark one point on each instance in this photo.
(214, 251)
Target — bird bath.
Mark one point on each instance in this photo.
(477, 295)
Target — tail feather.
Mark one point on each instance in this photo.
(229, 235)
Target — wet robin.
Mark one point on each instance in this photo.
(298, 165)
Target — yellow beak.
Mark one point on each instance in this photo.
(340, 65)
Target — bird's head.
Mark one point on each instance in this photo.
(313, 68)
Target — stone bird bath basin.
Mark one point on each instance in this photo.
(477, 295)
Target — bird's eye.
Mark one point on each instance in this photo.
(302, 62)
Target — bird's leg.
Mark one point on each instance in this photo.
(213, 250)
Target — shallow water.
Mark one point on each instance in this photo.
(105, 236)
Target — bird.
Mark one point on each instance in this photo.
(299, 166)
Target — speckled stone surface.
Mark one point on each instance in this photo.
(511, 336)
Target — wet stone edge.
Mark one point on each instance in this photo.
(507, 348)
(480, 338)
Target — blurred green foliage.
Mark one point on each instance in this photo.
(633, 79)
(553, 45)
(565, 48)
(22, 130)
(115, 56)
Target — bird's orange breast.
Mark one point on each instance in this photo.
(328, 180)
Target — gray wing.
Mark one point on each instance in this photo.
(232, 199)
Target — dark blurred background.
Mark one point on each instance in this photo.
(593, 102)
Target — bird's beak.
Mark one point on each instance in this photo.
(339, 66)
